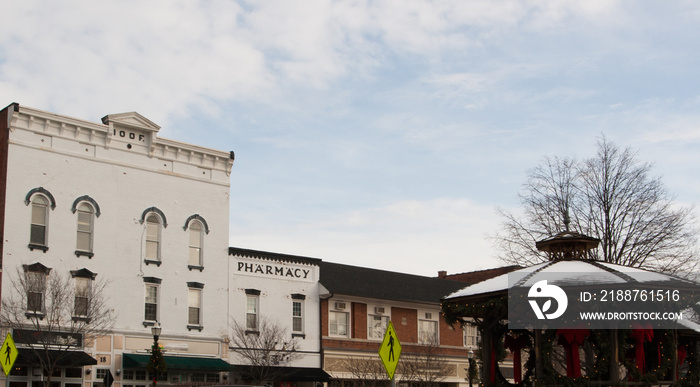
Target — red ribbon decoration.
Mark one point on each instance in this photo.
(641, 335)
(571, 339)
(682, 354)
(515, 344)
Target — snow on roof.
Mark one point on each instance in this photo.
(494, 284)
(688, 324)
(570, 273)
(642, 275)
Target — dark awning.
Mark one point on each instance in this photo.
(289, 374)
(65, 358)
(133, 360)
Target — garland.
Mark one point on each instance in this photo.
(596, 348)
(692, 377)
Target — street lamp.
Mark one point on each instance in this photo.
(470, 356)
(156, 355)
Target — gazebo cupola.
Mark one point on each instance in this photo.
(567, 245)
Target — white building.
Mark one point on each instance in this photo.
(271, 291)
(113, 201)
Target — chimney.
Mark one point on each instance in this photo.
(442, 274)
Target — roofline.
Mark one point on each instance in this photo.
(250, 253)
(480, 271)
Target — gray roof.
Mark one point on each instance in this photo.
(384, 285)
(270, 256)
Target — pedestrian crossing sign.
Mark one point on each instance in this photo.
(8, 354)
(390, 350)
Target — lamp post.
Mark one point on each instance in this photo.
(470, 356)
(156, 355)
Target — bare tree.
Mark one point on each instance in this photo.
(366, 371)
(53, 315)
(424, 364)
(611, 196)
(265, 350)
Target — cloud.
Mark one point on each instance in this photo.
(444, 233)
(162, 58)
(168, 59)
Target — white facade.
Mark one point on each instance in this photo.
(127, 175)
(286, 292)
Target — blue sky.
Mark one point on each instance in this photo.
(375, 133)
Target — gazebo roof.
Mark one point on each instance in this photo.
(569, 273)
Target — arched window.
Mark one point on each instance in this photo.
(40, 200)
(153, 237)
(38, 237)
(86, 220)
(196, 241)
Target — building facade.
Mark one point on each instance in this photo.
(274, 302)
(356, 308)
(113, 204)
(108, 217)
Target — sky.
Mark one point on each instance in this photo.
(383, 134)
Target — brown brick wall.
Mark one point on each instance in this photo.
(324, 317)
(407, 333)
(5, 116)
(358, 318)
(450, 335)
(360, 345)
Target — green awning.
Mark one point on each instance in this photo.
(133, 360)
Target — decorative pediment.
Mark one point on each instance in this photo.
(131, 120)
(83, 273)
(36, 268)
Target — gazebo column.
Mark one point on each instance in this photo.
(539, 366)
(614, 352)
(487, 354)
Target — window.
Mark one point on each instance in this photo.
(427, 332)
(297, 316)
(39, 223)
(195, 307)
(83, 293)
(211, 378)
(197, 377)
(82, 296)
(376, 326)
(153, 230)
(338, 324)
(251, 312)
(36, 287)
(35, 276)
(132, 374)
(196, 238)
(85, 226)
(151, 304)
(472, 337)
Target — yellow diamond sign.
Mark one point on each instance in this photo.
(390, 350)
(8, 354)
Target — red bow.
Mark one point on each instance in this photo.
(570, 339)
(515, 344)
(641, 335)
(682, 354)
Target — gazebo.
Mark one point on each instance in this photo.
(629, 353)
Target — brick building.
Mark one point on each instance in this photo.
(357, 305)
